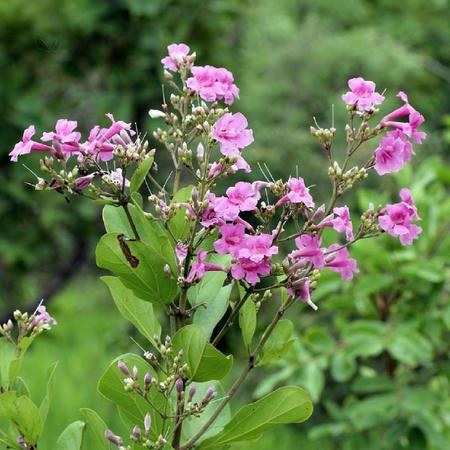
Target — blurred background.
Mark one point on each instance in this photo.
(375, 356)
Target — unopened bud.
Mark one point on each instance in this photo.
(192, 392)
(156, 114)
(123, 367)
(147, 424)
(179, 385)
(136, 433)
(111, 437)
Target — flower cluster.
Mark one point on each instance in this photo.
(246, 228)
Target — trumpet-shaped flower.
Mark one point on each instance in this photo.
(337, 260)
(362, 94)
(232, 133)
(393, 153)
(177, 54)
(298, 193)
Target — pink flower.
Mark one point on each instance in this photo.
(181, 251)
(116, 177)
(343, 222)
(64, 135)
(200, 267)
(232, 236)
(241, 164)
(177, 54)
(298, 193)
(337, 260)
(214, 170)
(309, 250)
(257, 248)
(245, 268)
(26, 145)
(362, 94)
(392, 153)
(409, 128)
(397, 218)
(41, 319)
(232, 133)
(302, 289)
(213, 84)
(243, 196)
(85, 181)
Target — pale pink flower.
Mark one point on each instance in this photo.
(396, 219)
(181, 251)
(212, 83)
(309, 250)
(243, 195)
(200, 267)
(245, 268)
(409, 128)
(337, 260)
(232, 133)
(393, 153)
(298, 193)
(342, 222)
(65, 135)
(177, 54)
(257, 248)
(116, 177)
(41, 319)
(362, 94)
(301, 289)
(26, 145)
(231, 238)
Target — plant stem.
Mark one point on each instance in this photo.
(237, 384)
(130, 220)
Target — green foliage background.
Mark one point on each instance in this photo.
(291, 59)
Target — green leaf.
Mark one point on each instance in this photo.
(94, 434)
(139, 312)
(192, 424)
(247, 321)
(286, 405)
(140, 173)
(20, 387)
(179, 223)
(23, 413)
(343, 366)
(319, 340)
(409, 346)
(7, 355)
(364, 338)
(192, 341)
(214, 365)
(45, 404)
(132, 407)
(278, 343)
(138, 266)
(72, 437)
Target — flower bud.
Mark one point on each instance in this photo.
(179, 385)
(156, 113)
(123, 367)
(111, 437)
(136, 433)
(192, 392)
(147, 424)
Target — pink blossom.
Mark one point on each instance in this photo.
(309, 250)
(26, 145)
(241, 164)
(257, 248)
(342, 222)
(214, 170)
(177, 54)
(85, 181)
(298, 193)
(362, 94)
(397, 218)
(200, 267)
(41, 319)
(213, 83)
(338, 260)
(181, 251)
(409, 128)
(243, 196)
(302, 289)
(231, 238)
(232, 133)
(116, 177)
(392, 153)
(64, 135)
(245, 268)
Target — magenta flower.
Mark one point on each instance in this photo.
(409, 128)
(200, 267)
(338, 260)
(243, 196)
(41, 319)
(241, 164)
(232, 133)
(298, 193)
(85, 181)
(301, 289)
(212, 83)
(181, 251)
(342, 222)
(245, 268)
(257, 248)
(26, 145)
(397, 218)
(309, 250)
(177, 54)
(393, 153)
(231, 238)
(362, 94)
(65, 136)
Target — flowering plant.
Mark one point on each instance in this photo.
(208, 257)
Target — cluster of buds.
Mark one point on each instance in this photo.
(369, 223)
(346, 180)
(195, 408)
(325, 136)
(129, 151)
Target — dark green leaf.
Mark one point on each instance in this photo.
(140, 173)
